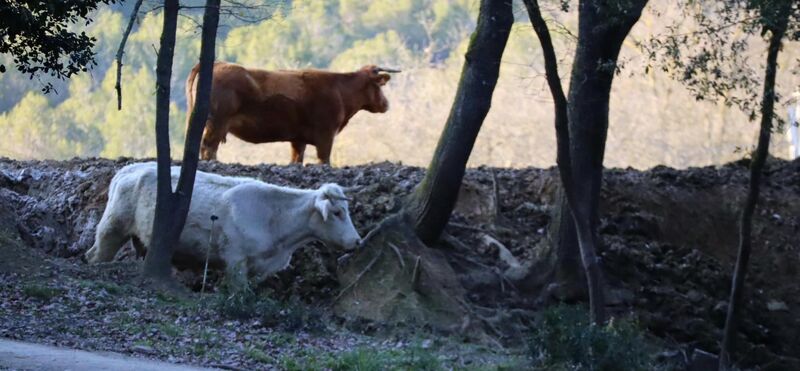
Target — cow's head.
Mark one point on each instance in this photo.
(331, 222)
(376, 77)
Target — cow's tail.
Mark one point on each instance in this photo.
(189, 96)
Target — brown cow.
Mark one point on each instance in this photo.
(302, 107)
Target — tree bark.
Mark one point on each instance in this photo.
(395, 277)
(172, 208)
(581, 127)
(157, 262)
(563, 247)
(756, 169)
(431, 204)
(602, 27)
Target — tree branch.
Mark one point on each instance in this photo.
(121, 51)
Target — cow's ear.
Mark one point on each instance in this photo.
(323, 206)
(382, 79)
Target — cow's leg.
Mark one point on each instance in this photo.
(298, 150)
(138, 245)
(324, 151)
(108, 240)
(212, 135)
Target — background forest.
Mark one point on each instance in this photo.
(654, 120)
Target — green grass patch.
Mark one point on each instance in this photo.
(144, 342)
(280, 339)
(169, 329)
(41, 292)
(109, 287)
(243, 302)
(258, 355)
(363, 359)
(565, 340)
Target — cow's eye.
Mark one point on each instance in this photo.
(337, 213)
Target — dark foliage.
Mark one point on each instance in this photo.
(38, 35)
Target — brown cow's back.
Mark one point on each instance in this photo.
(303, 107)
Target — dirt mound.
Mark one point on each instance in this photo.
(670, 240)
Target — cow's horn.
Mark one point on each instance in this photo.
(388, 70)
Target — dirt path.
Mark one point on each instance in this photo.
(27, 356)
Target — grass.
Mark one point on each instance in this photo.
(280, 339)
(243, 302)
(258, 355)
(41, 292)
(169, 329)
(109, 287)
(565, 340)
(363, 359)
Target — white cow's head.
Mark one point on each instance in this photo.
(331, 222)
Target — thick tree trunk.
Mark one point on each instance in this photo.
(756, 168)
(602, 28)
(172, 208)
(158, 259)
(581, 128)
(395, 277)
(432, 203)
(563, 251)
(564, 240)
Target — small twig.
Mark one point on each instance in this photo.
(496, 196)
(399, 256)
(121, 52)
(225, 367)
(467, 227)
(358, 277)
(415, 273)
(208, 252)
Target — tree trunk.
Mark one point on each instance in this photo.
(157, 262)
(756, 168)
(395, 277)
(563, 249)
(172, 208)
(568, 272)
(431, 204)
(602, 28)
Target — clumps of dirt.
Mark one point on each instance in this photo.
(59, 205)
(669, 241)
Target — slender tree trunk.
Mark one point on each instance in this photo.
(432, 202)
(197, 120)
(563, 236)
(756, 168)
(121, 51)
(158, 259)
(602, 27)
(172, 208)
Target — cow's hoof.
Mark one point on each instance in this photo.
(91, 256)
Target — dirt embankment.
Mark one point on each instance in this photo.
(670, 238)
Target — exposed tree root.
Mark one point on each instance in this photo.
(381, 287)
(416, 285)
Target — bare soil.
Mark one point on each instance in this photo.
(669, 245)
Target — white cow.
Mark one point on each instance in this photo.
(259, 227)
